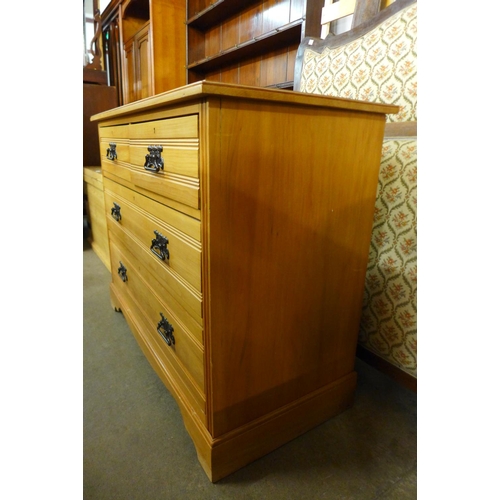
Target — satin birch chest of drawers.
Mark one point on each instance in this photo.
(239, 222)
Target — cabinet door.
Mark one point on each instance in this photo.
(129, 93)
(144, 80)
(137, 68)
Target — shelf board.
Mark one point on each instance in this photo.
(282, 85)
(217, 12)
(271, 40)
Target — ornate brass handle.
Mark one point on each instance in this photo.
(115, 212)
(111, 153)
(166, 330)
(154, 161)
(159, 246)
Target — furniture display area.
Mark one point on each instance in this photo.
(239, 223)
(153, 46)
(144, 45)
(252, 42)
(380, 57)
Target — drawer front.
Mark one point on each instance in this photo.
(172, 248)
(114, 131)
(164, 155)
(114, 152)
(159, 156)
(179, 188)
(182, 190)
(165, 355)
(177, 159)
(185, 300)
(184, 223)
(166, 282)
(182, 127)
(187, 352)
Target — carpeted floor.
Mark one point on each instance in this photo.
(136, 447)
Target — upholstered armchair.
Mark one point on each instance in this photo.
(377, 61)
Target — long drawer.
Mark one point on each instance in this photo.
(141, 327)
(166, 284)
(186, 302)
(172, 247)
(189, 225)
(165, 331)
(177, 159)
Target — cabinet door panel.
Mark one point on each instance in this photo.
(143, 64)
(128, 72)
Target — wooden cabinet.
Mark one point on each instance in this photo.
(144, 46)
(138, 80)
(251, 42)
(239, 241)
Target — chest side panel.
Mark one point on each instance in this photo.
(290, 211)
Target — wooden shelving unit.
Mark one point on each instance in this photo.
(144, 45)
(251, 42)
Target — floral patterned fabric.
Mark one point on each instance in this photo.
(380, 66)
(389, 317)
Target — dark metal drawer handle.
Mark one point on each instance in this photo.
(122, 271)
(159, 246)
(154, 161)
(111, 152)
(166, 330)
(115, 212)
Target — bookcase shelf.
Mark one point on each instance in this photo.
(250, 42)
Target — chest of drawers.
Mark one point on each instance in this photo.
(239, 223)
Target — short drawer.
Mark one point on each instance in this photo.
(172, 336)
(114, 131)
(181, 127)
(114, 152)
(171, 248)
(164, 158)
